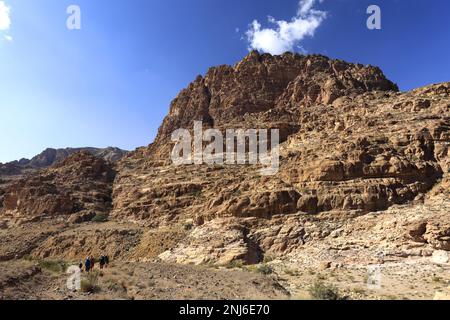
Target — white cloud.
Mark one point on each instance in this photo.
(5, 20)
(286, 36)
(8, 38)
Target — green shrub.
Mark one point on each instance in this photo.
(321, 291)
(27, 257)
(268, 258)
(265, 269)
(90, 283)
(188, 226)
(359, 290)
(292, 272)
(311, 272)
(235, 264)
(100, 217)
(53, 266)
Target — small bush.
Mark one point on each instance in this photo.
(27, 257)
(100, 217)
(90, 283)
(53, 266)
(197, 194)
(321, 291)
(265, 269)
(292, 272)
(359, 290)
(268, 258)
(235, 264)
(321, 277)
(188, 226)
(237, 192)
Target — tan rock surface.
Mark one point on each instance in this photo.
(80, 182)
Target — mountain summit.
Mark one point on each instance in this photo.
(268, 89)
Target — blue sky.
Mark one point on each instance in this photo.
(111, 83)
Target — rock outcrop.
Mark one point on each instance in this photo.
(264, 90)
(79, 183)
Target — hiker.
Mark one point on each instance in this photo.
(87, 264)
(81, 266)
(106, 261)
(102, 261)
(92, 262)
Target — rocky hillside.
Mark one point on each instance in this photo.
(80, 184)
(352, 145)
(50, 156)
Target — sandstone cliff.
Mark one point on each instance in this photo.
(352, 145)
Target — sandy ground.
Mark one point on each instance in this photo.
(414, 279)
(24, 276)
(26, 280)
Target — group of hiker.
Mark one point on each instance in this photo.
(89, 263)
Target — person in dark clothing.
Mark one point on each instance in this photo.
(102, 262)
(106, 261)
(92, 262)
(81, 266)
(87, 264)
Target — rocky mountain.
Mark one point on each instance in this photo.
(363, 179)
(265, 90)
(50, 156)
(352, 145)
(80, 184)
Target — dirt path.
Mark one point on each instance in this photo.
(141, 281)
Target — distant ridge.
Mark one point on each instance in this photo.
(50, 156)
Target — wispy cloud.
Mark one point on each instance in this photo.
(5, 20)
(286, 36)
